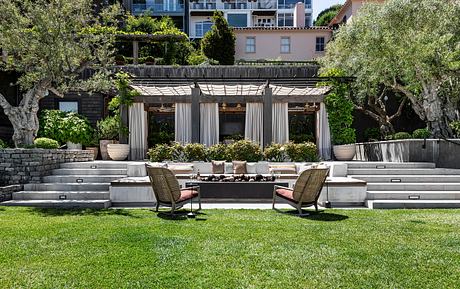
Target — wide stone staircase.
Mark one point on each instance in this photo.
(408, 185)
(73, 185)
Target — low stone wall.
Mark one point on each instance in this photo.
(6, 193)
(444, 153)
(21, 166)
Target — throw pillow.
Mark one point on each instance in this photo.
(218, 167)
(239, 167)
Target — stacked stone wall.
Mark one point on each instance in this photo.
(22, 166)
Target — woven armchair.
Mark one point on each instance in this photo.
(306, 190)
(167, 190)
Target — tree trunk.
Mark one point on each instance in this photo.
(24, 117)
(439, 112)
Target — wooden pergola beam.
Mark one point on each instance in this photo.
(154, 99)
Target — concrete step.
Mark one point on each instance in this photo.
(413, 204)
(95, 165)
(61, 195)
(82, 178)
(408, 178)
(67, 187)
(388, 165)
(413, 186)
(413, 195)
(410, 171)
(89, 172)
(60, 204)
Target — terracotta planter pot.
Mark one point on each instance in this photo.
(103, 145)
(118, 152)
(95, 151)
(345, 152)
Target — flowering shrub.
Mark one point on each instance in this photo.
(276, 153)
(195, 152)
(217, 152)
(302, 152)
(244, 150)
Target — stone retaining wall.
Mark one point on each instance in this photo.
(444, 153)
(21, 166)
(6, 193)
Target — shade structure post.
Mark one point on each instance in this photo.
(267, 130)
(135, 52)
(196, 92)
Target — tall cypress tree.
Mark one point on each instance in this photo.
(219, 43)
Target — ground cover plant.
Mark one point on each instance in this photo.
(229, 249)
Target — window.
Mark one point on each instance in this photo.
(202, 27)
(68, 106)
(285, 45)
(308, 19)
(287, 4)
(237, 20)
(250, 44)
(319, 44)
(285, 19)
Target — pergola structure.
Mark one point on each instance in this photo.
(262, 94)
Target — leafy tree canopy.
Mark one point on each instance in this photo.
(47, 43)
(326, 16)
(219, 43)
(411, 47)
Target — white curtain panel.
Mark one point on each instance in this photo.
(137, 131)
(209, 123)
(183, 123)
(254, 124)
(280, 123)
(323, 133)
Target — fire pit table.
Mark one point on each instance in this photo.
(236, 189)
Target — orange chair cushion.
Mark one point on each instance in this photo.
(285, 193)
(187, 195)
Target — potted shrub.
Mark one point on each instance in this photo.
(340, 115)
(77, 130)
(149, 60)
(117, 151)
(108, 133)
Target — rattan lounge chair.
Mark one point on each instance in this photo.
(167, 190)
(306, 190)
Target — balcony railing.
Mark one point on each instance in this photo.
(173, 7)
(203, 6)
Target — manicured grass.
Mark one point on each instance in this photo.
(229, 249)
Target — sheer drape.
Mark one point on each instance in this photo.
(280, 123)
(254, 124)
(323, 133)
(138, 131)
(209, 123)
(183, 123)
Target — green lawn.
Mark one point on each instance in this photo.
(229, 249)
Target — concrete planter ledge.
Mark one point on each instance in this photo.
(443, 153)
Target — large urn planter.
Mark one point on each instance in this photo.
(73, 146)
(344, 152)
(118, 152)
(103, 146)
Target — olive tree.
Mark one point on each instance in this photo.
(410, 47)
(50, 44)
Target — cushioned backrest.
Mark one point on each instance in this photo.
(164, 184)
(309, 184)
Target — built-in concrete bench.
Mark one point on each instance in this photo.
(136, 190)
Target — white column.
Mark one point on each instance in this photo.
(323, 133)
(138, 126)
(254, 123)
(183, 123)
(280, 122)
(209, 123)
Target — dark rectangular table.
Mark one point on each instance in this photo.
(236, 190)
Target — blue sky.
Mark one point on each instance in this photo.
(320, 5)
